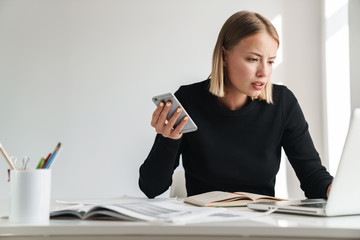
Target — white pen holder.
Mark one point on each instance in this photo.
(30, 192)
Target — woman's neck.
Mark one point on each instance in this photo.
(233, 101)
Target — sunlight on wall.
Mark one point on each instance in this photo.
(333, 6)
(277, 22)
(337, 78)
(281, 177)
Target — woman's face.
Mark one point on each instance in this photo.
(249, 64)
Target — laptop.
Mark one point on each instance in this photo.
(344, 197)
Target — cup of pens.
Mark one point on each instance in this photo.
(30, 190)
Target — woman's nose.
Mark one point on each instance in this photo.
(263, 70)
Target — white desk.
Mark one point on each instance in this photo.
(274, 226)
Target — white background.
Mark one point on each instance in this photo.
(83, 73)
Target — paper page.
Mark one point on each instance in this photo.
(210, 197)
(76, 210)
(187, 213)
(161, 211)
(257, 196)
(143, 209)
(230, 215)
(236, 203)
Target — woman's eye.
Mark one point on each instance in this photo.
(252, 59)
(271, 62)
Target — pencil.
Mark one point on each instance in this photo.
(52, 157)
(41, 162)
(47, 158)
(6, 156)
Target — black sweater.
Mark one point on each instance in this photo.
(236, 150)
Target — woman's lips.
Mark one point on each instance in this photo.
(258, 85)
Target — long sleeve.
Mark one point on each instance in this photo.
(236, 150)
(156, 171)
(301, 152)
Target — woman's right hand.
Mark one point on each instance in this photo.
(166, 127)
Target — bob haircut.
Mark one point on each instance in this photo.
(239, 26)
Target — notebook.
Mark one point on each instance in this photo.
(344, 196)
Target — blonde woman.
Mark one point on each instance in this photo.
(243, 121)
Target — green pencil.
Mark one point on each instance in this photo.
(42, 160)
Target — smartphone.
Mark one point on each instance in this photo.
(190, 125)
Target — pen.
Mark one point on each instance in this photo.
(41, 162)
(52, 157)
(47, 158)
(6, 156)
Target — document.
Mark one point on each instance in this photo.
(151, 211)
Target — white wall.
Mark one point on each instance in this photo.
(83, 72)
(302, 69)
(354, 35)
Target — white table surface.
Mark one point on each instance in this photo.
(274, 226)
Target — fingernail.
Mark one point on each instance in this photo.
(168, 104)
(178, 110)
(161, 104)
(186, 118)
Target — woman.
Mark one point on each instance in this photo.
(243, 121)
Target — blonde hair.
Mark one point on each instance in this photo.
(239, 26)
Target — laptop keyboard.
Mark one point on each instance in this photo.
(313, 205)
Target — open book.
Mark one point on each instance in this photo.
(133, 211)
(228, 199)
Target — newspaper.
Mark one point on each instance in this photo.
(136, 210)
(160, 210)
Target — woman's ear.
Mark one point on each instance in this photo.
(224, 55)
